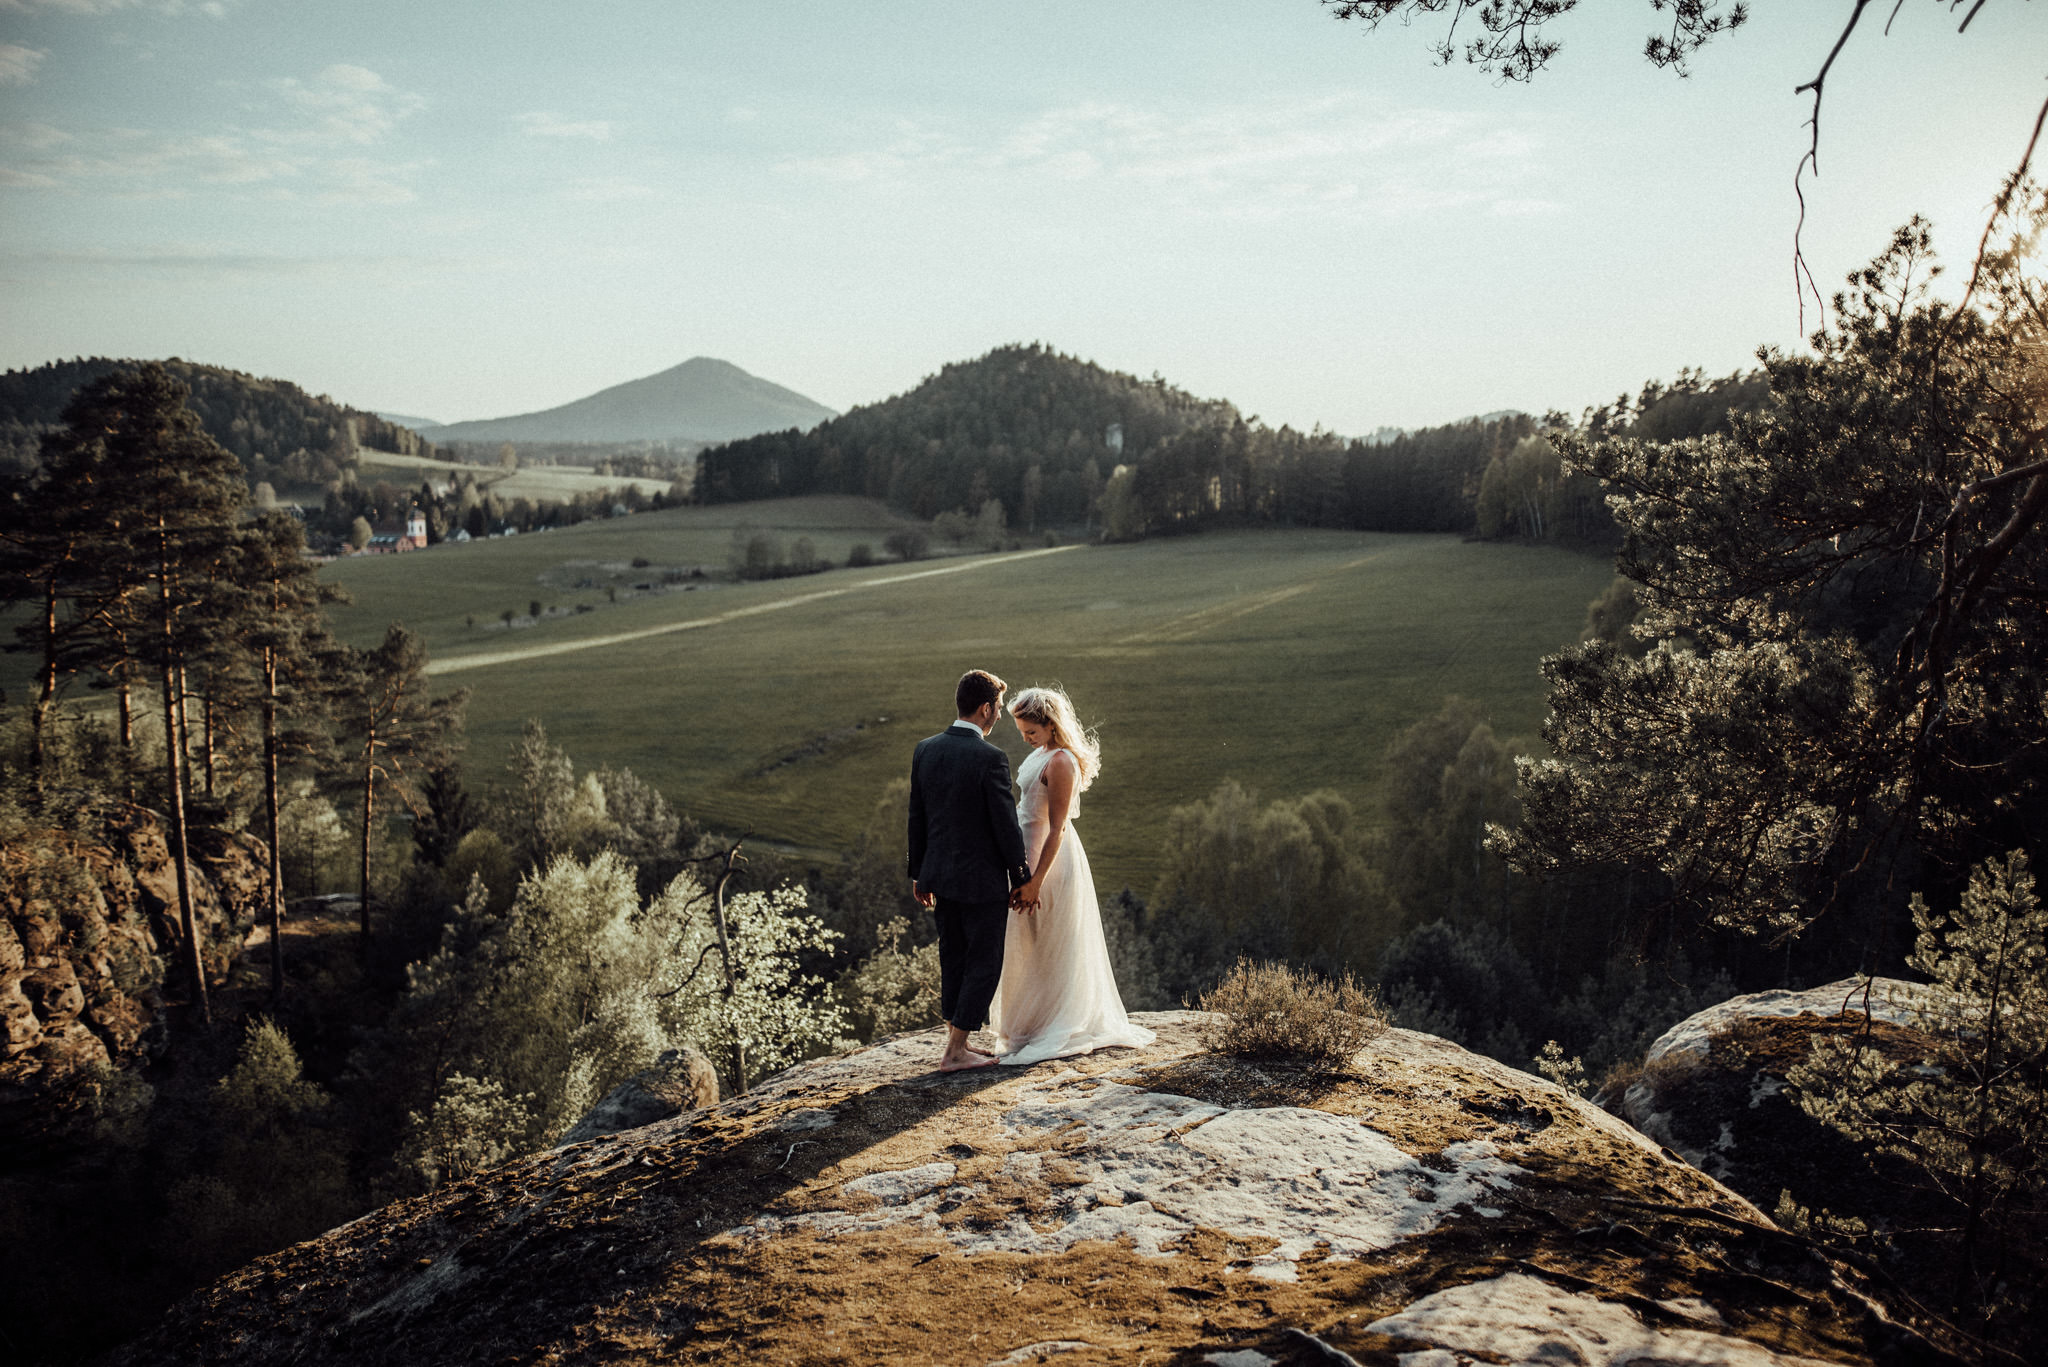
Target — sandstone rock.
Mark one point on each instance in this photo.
(1711, 1103)
(680, 1080)
(87, 932)
(1162, 1202)
(1714, 1093)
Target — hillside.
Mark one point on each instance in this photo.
(700, 400)
(977, 429)
(1042, 433)
(277, 430)
(1156, 1205)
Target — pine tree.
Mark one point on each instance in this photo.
(1845, 592)
(285, 652)
(1972, 1115)
(393, 726)
(157, 501)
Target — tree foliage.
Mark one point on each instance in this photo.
(1513, 44)
(1972, 1115)
(1844, 593)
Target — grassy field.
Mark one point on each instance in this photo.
(542, 483)
(1284, 659)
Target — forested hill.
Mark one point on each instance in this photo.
(1023, 424)
(277, 430)
(1030, 428)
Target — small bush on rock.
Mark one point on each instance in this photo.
(1271, 1011)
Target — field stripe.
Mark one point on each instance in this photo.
(455, 664)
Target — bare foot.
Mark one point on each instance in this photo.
(958, 1063)
(985, 1053)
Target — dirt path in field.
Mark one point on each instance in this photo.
(455, 664)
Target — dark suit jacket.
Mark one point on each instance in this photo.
(964, 842)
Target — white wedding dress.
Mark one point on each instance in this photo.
(1057, 996)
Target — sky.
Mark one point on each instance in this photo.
(462, 209)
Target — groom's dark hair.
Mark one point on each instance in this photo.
(977, 688)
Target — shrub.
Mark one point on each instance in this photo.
(895, 988)
(861, 554)
(1467, 984)
(1972, 1115)
(1271, 1011)
(906, 545)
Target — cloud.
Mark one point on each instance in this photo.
(358, 180)
(312, 147)
(18, 64)
(349, 104)
(543, 124)
(1286, 157)
(210, 262)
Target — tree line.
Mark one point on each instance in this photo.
(277, 431)
(1058, 442)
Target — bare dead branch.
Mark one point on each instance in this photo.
(1802, 274)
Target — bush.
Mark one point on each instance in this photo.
(907, 545)
(861, 554)
(1971, 1115)
(1467, 984)
(1270, 1011)
(896, 988)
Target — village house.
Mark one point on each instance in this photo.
(387, 540)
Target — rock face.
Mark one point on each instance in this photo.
(1713, 1091)
(87, 935)
(680, 1080)
(1163, 1204)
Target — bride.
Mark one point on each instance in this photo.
(1057, 995)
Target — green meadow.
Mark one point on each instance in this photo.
(1283, 659)
(542, 483)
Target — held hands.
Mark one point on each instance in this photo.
(1024, 899)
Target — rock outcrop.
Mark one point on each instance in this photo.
(88, 932)
(680, 1080)
(1712, 1087)
(1713, 1090)
(1164, 1204)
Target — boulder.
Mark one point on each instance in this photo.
(1166, 1203)
(680, 1080)
(1711, 1088)
(1713, 1091)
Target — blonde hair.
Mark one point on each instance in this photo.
(1052, 709)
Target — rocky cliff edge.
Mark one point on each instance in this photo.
(1160, 1205)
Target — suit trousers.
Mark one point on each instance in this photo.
(970, 958)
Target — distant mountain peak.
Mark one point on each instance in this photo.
(702, 399)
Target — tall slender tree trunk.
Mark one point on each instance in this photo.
(739, 1048)
(369, 811)
(46, 693)
(206, 724)
(174, 754)
(276, 863)
(124, 703)
(185, 722)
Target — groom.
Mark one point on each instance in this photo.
(966, 854)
